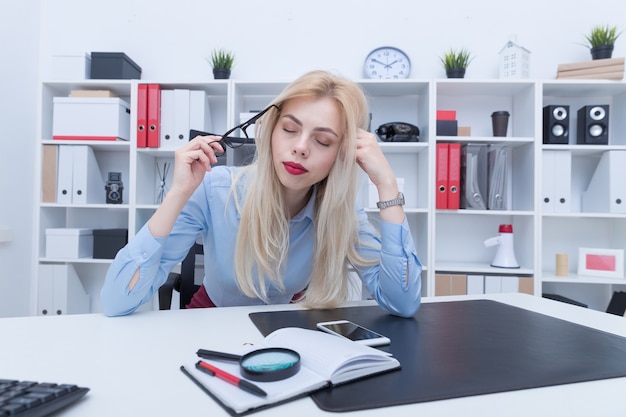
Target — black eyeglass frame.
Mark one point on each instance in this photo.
(234, 142)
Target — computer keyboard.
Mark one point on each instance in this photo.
(36, 399)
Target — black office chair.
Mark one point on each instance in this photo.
(183, 282)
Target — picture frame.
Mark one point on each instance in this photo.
(608, 263)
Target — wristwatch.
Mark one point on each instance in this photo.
(398, 201)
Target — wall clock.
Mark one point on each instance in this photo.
(387, 62)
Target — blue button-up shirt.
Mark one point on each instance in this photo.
(211, 213)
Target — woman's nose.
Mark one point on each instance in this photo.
(300, 147)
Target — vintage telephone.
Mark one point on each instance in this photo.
(398, 132)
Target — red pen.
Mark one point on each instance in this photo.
(241, 383)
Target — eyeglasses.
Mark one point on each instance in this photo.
(234, 142)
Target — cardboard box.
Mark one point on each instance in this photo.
(71, 67)
(113, 66)
(69, 243)
(90, 118)
(107, 242)
(464, 131)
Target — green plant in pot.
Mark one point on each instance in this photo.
(601, 40)
(222, 63)
(455, 62)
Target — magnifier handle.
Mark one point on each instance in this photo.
(212, 354)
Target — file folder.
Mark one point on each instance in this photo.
(154, 115)
(181, 118)
(45, 285)
(68, 293)
(606, 192)
(475, 284)
(199, 112)
(49, 160)
(87, 181)
(142, 115)
(454, 175)
(556, 181)
(474, 176)
(167, 119)
(498, 165)
(441, 180)
(65, 174)
(60, 291)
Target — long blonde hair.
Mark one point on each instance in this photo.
(263, 237)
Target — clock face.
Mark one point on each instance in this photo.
(387, 63)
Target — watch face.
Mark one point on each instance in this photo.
(387, 63)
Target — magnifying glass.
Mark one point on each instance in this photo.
(263, 365)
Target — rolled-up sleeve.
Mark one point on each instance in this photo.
(395, 281)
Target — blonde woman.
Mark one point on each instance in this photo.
(285, 228)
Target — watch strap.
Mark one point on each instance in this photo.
(398, 201)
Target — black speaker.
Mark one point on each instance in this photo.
(556, 124)
(593, 125)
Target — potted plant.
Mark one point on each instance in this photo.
(600, 41)
(455, 62)
(222, 62)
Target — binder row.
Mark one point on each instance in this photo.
(71, 175)
(164, 117)
(472, 176)
(461, 284)
(605, 193)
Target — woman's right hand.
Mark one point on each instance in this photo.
(192, 161)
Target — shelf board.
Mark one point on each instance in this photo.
(588, 88)
(99, 145)
(479, 269)
(403, 147)
(575, 215)
(468, 212)
(585, 150)
(87, 206)
(407, 210)
(511, 141)
(76, 260)
(580, 279)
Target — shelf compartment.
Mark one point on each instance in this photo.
(475, 101)
(459, 242)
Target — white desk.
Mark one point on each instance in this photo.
(132, 364)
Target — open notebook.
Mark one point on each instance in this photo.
(326, 360)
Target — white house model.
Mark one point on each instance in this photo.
(514, 61)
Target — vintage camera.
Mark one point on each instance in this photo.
(114, 188)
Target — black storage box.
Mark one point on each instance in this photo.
(113, 66)
(447, 127)
(107, 242)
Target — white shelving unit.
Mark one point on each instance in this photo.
(447, 241)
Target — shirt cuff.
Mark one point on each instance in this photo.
(145, 245)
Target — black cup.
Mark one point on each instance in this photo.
(500, 122)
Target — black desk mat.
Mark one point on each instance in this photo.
(464, 348)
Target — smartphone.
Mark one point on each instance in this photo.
(354, 332)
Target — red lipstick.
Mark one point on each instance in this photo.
(294, 168)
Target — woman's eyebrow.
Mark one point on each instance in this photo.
(318, 129)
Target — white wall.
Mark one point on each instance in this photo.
(19, 38)
(272, 40)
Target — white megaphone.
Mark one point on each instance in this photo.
(505, 256)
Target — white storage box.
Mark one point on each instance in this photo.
(91, 118)
(71, 67)
(69, 243)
